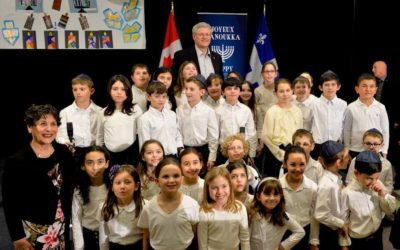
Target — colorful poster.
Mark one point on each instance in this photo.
(83, 6)
(106, 40)
(29, 5)
(92, 39)
(71, 39)
(51, 39)
(123, 21)
(29, 39)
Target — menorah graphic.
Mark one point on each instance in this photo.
(82, 4)
(28, 3)
(226, 51)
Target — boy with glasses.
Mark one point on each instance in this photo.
(372, 140)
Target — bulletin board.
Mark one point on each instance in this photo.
(72, 24)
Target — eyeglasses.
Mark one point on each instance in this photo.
(235, 147)
(91, 163)
(369, 144)
(269, 71)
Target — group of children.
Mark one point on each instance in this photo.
(204, 122)
(165, 204)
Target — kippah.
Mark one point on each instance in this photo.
(331, 148)
(368, 157)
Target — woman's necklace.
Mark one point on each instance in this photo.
(43, 152)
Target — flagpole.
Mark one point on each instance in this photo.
(264, 12)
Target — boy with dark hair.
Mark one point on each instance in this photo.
(234, 117)
(159, 122)
(363, 203)
(327, 112)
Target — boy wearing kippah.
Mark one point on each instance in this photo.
(372, 140)
(333, 157)
(364, 202)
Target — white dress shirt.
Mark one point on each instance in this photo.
(300, 204)
(84, 122)
(205, 63)
(360, 118)
(327, 208)
(139, 98)
(86, 215)
(118, 131)
(327, 119)
(363, 209)
(212, 103)
(161, 126)
(266, 236)
(231, 118)
(198, 126)
(121, 229)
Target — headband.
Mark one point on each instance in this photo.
(264, 180)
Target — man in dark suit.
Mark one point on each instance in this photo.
(206, 61)
(387, 94)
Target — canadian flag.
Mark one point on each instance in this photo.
(172, 43)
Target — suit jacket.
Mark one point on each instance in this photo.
(191, 55)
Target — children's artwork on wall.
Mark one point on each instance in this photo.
(47, 21)
(71, 39)
(130, 11)
(92, 39)
(83, 6)
(29, 22)
(122, 20)
(29, 5)
(51, 39)
(63, 21)
(113, 20)
(56, 5)
(106, 41)
(10, 32)
(29, 39)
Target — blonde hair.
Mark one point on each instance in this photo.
(230, 139)
(208, 202)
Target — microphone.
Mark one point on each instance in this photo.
(70, 131)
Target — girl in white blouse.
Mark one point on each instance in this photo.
(169, 219)
(268, 219)
(223, 220)
(120, 212)
(90, 192)
(151, 154)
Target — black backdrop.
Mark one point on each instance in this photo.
(343, 35)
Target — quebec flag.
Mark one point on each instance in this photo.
(261, 53)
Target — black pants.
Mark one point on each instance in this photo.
(270, 165)
(134, 246)
(374, 241)
(329, 238)
(303, 244)
(91, 239)
(127, 156)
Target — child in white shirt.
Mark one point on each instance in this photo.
(364, 202)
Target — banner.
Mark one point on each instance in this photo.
(261, 53)
(228, 38)
(72, 24)
(172, 43)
